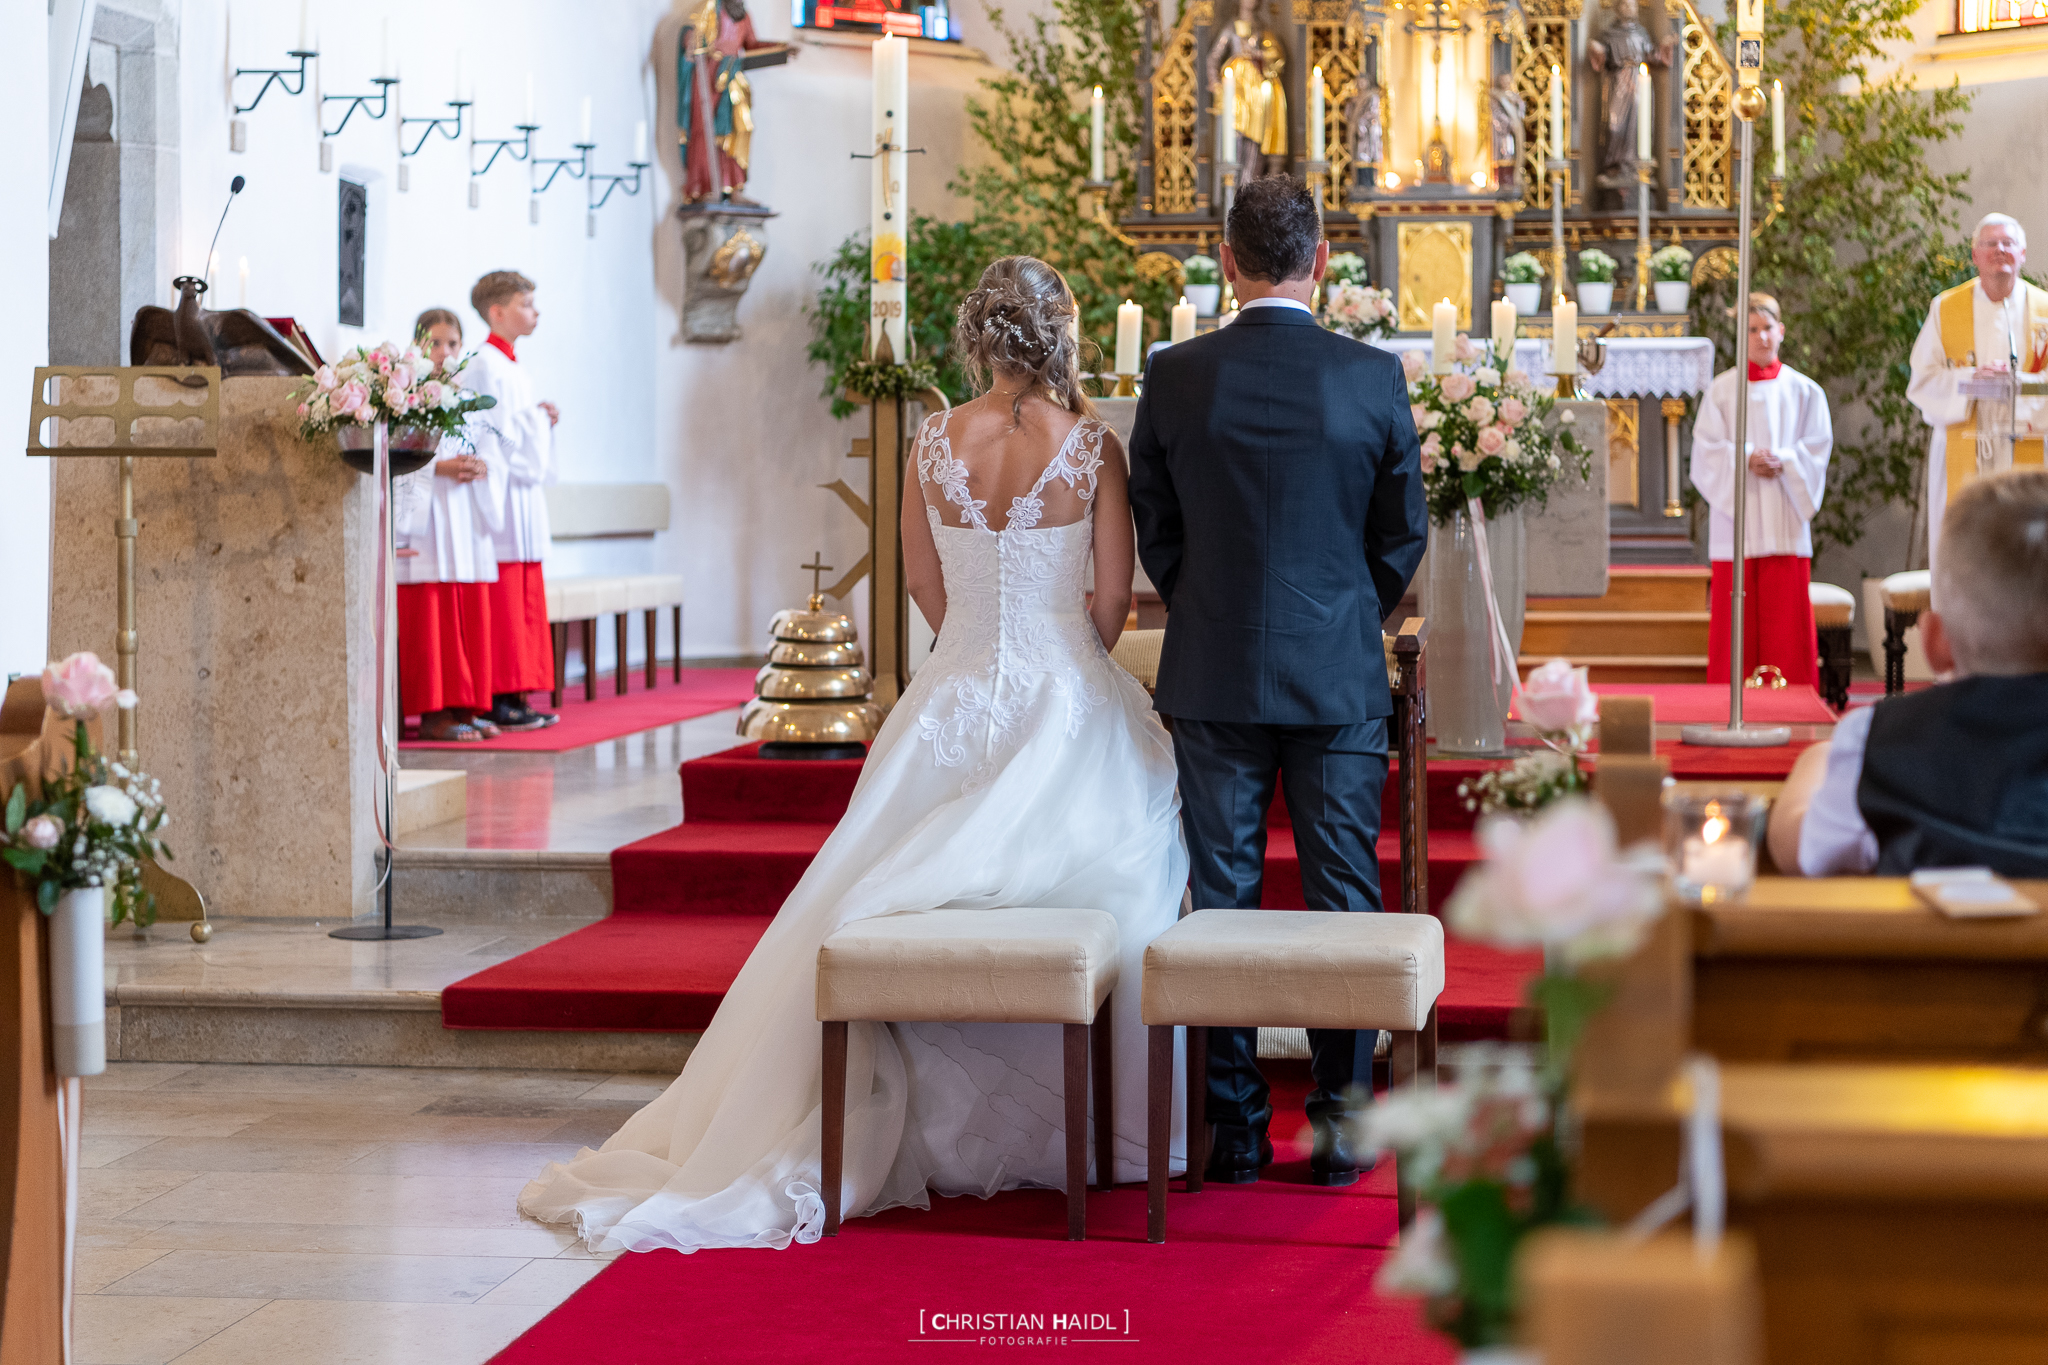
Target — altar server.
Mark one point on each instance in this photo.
(516, 439)
(1783, 477)
(447, 562)
(1974, 332)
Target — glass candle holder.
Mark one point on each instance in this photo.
(1711, 842)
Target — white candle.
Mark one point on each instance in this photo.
(1226, 120)
(1316, 145)
(1556, 114)
(243, 301)
(640, 142)
(302, 27)
(1183, 321)
(583, 128)
(1503, 327)
(458, 76)
(1130, 336)
(1095, 171)
(1443, 335)
(1643, 152)
(1778, 129)
(529, 98)
(1727, 863)
(384, 51)
(889, 213)
(212, 271)
(1564, 338)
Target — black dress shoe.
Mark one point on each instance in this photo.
(1236, 1153)
(1333, 1162)
(512, 713)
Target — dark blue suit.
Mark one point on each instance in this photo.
(1276, 480)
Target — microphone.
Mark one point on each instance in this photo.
(235, 187)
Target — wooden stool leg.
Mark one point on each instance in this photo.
(1076, 1095)
(831, 1176)
(620, 673)
(1158, 1126)
(559, 630)
(1198, 1106)
(1425, 1061)
(1402, 1059)
(1105, 1102)
(589, 659)
(1896, 624)
(679, 642)
(653, 635)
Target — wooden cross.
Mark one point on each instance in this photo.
(815, 568)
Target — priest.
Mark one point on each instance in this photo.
(1781, 476)
(1973, 335)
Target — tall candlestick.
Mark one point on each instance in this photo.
(1226, 121)
(1316, 144)
(1095, 171)
(529, 98)
(1557, 147)
(640, 142)
(1183, 321)
(1504, 320)
(243, 300)
(1643, 152)
(1130, 336)
(1564, 338)
(1778, 129)
(890, 212)
(1443, 336)
(583, 127)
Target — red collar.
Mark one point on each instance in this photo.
(503, 345)
(1757, 373)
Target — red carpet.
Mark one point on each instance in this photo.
(702, 691)
(1692, 703)
(1277, 1271)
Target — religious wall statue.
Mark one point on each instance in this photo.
(1615, 54)
(1368, 137)
(1251, 52)
(1507, 111)
(715, 101)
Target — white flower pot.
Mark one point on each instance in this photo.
(1596, 298)
(1673, 296)
(78, 982)
(1527, 298)
(1205, 298)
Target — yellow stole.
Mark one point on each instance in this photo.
(1956, 308)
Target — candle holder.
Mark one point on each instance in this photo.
(1645, 173)
(1560, 186)
(1776, 185)
(580, 162)
(1318, 173)
(1126, 385)
(1711, 843)
(1673, 409)
(355, 102)
(450, 128)
(613, 182)
(280, 76)
(1095, 206)
(499, 146)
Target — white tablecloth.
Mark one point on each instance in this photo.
(1636, 367)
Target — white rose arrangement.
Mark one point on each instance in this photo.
(1359, 311)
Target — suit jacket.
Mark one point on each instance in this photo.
(1276, 479)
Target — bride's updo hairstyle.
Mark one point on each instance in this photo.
(1018, 322)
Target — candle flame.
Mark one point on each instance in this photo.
(1777, 85)
(1183, 300)
(1713, 829)
(1098, 92)
(1553, 69)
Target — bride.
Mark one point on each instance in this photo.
(1021, 768)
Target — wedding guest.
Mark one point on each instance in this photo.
(445, 568)
(1785, 473)
(1956, 775)
(516, 440)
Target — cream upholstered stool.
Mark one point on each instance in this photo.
(1834, 612)
(1282, 968)
(1905, 596)
(1026, 966)
(1137, 653)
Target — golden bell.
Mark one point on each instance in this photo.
(812, 698)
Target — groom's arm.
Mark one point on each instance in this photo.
(1155, 506)
(1397, 523)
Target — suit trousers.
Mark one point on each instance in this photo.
(1333, 777)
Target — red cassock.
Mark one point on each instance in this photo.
(1777, 619)
(444, 650)
(522, 647)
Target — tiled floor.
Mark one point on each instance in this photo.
(296, 957)
(326, 1215)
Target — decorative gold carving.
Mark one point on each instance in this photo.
(1335, 41)
(1715, 264)
(1623, 453)
(1436, 263)
(1538, 42)
(1539, 328)
(736, 260)
(1709, 122)
(1174, 183)
(1155, 266)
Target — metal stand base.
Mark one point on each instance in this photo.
(811, 752)
(1737, 737)
(373, 933)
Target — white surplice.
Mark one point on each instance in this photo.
(1999, 330)
(518, 441)
(1021, 767)
(447, 524)
(1788, 416)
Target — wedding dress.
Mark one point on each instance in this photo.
(1021, 767)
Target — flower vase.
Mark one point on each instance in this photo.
(1673, 296)
(1468, 706)
(411, 448)
(1527, 298)
(1205, 297)
(78, 982)
(1596, 296)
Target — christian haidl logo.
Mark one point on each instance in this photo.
(1072, 1326)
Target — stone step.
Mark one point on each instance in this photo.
(508, 884)
(1630, 668)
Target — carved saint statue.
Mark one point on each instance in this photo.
(1507, 111)
(1368, 138)
(1615, 54)
(715, 101)
(1250, 52)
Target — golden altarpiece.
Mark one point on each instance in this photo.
(1438, 161)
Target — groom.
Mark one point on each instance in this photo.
(1277, 483)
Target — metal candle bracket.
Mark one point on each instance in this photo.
(499, 146)
(597, 201)
(449, 128)
(362, 102)
(280, 76)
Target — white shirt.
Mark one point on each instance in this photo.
(447, 523)
(516, 439)
(1788, 416)
(1834, 840)
(1275, 301)
(1999, 329)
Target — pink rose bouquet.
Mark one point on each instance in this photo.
(1358, 310)
(387, 384)
(1506, 450)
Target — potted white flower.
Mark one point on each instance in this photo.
(1202, 282)
(1596, 281)
(1671, 274)
(1522, 276)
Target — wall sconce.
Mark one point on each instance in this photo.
(280, 76)
(613, 182)
(450, 128)
(578, 167)
(499, 146)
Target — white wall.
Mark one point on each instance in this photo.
(25, 246)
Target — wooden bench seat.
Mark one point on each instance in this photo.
(582, 600)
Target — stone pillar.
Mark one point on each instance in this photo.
(255, 575)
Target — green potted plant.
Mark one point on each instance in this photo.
(1671, 275)
(1596, 281)
(1522, 276)
(1202, 280)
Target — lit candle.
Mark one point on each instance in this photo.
(583, 127)
(889, 212)
(1443, 336)
(1130, 336)
(1726, 864)
(1183, 320)
(529, 98)
(1778, 129)
(1226, 121)
(640, 142)
(1095, 136)
(1316, 145)
(1503, 327)
(1556, 114)
(243, 302)
(1643, 152)
(302, 26)
(1564, 337)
